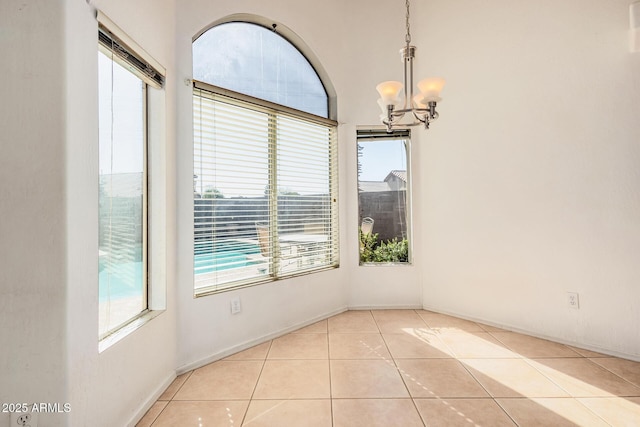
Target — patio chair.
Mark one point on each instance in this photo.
(367, 225)
(262, 230)
(287, 251)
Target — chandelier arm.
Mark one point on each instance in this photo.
(422, 118)
(432, 110)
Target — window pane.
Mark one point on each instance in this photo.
(231, 177)
(305, 207)
(264, 194)
(382, 199)
(122, 269)
(253, 60)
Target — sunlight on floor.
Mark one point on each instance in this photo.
(408, 368)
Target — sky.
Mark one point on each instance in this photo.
(250, 59)
(124, 153)
(381, 157)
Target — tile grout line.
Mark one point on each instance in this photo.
(495, 400)
(520, 357)
(590, 359)
(466, 368)
(505, 411)
(182, 385)
(449, 402)
(330, 384)
(157, 416)
(264, 362)
(400, 372)
(170, 400)
(571, 396)
(528, 361)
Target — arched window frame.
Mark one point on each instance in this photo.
(304, 243)
(296, 41)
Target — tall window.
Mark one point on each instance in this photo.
(265, 178)
(123, 80)
(383, 202)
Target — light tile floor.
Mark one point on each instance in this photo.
(404, 368)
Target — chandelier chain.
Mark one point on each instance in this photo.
(407, 38)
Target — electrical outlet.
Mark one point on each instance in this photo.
(236, 307)
(24, 419)
(573, 300)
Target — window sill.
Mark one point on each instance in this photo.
(212, 290)
(138, 322)
(386, 264)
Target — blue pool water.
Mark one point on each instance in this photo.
(125, 283)
(225, 257)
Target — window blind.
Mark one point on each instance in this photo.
(265, 192)
(111, 39)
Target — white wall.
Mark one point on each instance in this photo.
(530, 177)
(49, 211)
(371, 37)
(113, 387)
(206, 329)
(524, 189)
(32, 206)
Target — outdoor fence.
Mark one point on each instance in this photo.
(388, 210)
(235, 218)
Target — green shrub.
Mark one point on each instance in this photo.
(368, 244)
(391, 251)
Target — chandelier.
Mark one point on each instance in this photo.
(422, 107)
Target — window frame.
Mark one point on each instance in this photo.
(272, 108)
(370, 134)
(291, 37)
(130, 56)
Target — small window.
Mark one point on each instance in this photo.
(123, 83)
(383, 196)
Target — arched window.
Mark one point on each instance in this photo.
(256, 61)
(265, 161)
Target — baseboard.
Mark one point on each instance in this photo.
(386, 307)
(251, 343)
(608, 352)
(151, 400)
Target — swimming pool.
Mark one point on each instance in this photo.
(224, 256)
(124, 282)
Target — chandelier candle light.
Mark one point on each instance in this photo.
(422, 106)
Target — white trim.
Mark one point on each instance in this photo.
(251, 343)
(124, 331)
(261, 103)
(292, 37)
(385, 307)
(510, 328)
(151, 400)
